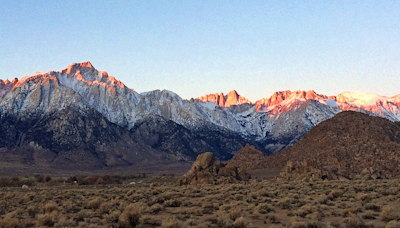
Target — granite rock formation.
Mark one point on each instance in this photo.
(208, 170)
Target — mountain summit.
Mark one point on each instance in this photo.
(232, 98)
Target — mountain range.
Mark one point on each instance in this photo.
(81, 116)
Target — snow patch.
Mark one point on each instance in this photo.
(210, 105)
(361, 99)
(331, 103)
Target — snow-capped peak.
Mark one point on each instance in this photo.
(360, 99)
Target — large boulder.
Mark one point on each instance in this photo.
(208, 170)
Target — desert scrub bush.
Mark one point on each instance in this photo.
(172, 203)
(265, 208)
(235, 213)
(32, 211)
(156, 208)
(223, 219)
(263, 192)
(362, 197)
(289, 202)
(147, 220)
(304, 210)
(368, 215)
(393, 224)
(64, 222)
(112, 217)
(312, 224)
(240, 223)
(171, 223)
(354, 222)
(9, 221)
(135, 197)
(50, 207)
(334, 194)
(373, 207)
(46, 220)
(322, 199)
(130, 216)
(106, 207)
(93, 204)
(209, 208)
(348, 211)
(190, 222)
(390, 213)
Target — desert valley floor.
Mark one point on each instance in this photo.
(157, 201)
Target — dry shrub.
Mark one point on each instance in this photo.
(373, 207)
(50, 207)
(262, 192)
(156, 208)
(149, 221)
(393, 224)
(368, 215)
(335, 194)
(46, 220)
(105, 208)
(130, 216)
(113, 217)
(240, 223)
(348, 211)
(172, 203)
(209, 208)
(265, 208)
(322, 199)
(64, 222)
(32, 211)
(362, 197)
(81, 215)
(235, 213)
(390, 213)
(171, 223)
(311, 224)
(354, 222)
(286, 202)
(190, 222)
(9, 222)
(304, 210)
(223, 219)
(93, 204)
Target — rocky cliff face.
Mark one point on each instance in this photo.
(232, 98)
(6, 86)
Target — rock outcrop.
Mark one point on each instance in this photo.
(6, 86)
(208, 170)
(232, 98)
(308, 170)
(248, 158)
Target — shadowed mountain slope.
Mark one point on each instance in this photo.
(353, 142)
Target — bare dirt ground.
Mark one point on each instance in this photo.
(154, 201)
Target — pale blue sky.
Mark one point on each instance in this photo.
(199, 47)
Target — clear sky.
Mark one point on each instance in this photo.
(199, 47)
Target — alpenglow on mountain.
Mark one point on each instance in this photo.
(60, 117)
